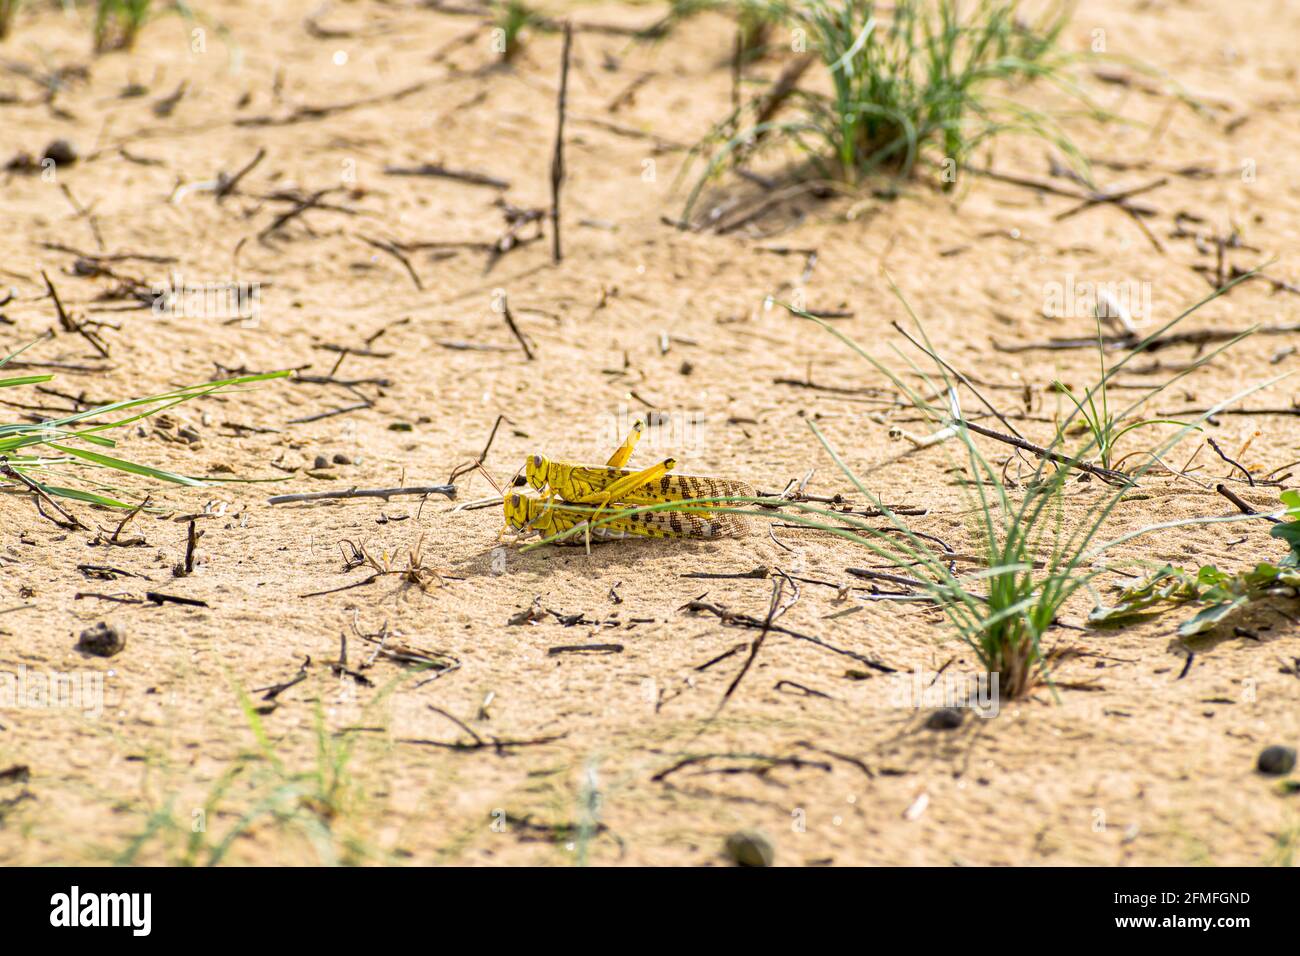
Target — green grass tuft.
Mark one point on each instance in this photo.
(512, 17)
(118, 23)
(57, 446)
(918, 79)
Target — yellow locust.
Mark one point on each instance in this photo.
(597, 487)
(525, 513)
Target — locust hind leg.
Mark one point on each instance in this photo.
(616, 490)
(612, 493)
(624, 452)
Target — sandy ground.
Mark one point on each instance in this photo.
(814, 747)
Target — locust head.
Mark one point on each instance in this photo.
(517, 511)
(536, 471)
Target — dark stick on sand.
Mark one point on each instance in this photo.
(477, 462)
(510, 319)
(68, 324)
(395, 251)
(557, 160)
(1243, 506)
(227, 184)
(385, 493)
(440, 171)
(1108, 475)
(1250, 479)
(68, 517)
(191, 543)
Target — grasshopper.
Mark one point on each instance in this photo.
(598, 487)
(603, 485)
(525, 513)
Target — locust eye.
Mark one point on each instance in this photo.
(537, 461)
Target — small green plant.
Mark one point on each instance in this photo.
(118, 23)
(301, 803)
(31, 452)
(678, 12)
(8, 9)
(755, 19)
(512, 18)
(1105, 427)
(323, 803)
(914, 77)
(1215, 592)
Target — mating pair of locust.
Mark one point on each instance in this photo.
(574, 497)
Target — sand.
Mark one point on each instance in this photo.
(569, 757)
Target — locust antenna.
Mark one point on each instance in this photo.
(496, 485)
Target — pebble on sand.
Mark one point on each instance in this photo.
(945, 718)
(1276, 760)
(102, 640)
(748, 848)
(62, 152)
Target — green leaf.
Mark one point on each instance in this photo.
(86, 496)
(53, 434)
(1292, 501)
(13, 355)
(24, 380)
(131, 467)
(1209, 576)
(1211, 616)
(1169, 584)
(1266, 575)
(1290, 533)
